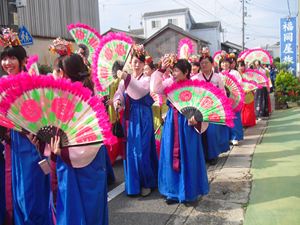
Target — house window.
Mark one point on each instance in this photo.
(173, 21)
(156, 24)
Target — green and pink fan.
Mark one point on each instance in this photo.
(185, 48)
(257, 77)
(110, 57)
(86, 35)
(32, 66)
(47, 107)
(202, 100)
(218, 56)
(235, 91)
(243, 54)
(258, 54)
(5, 84)
(249, 86)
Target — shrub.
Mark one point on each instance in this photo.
(287, 86)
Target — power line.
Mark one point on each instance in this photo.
(228, 10)
(266, 7)
(204, 11)
(261, 26)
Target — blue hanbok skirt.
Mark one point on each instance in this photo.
(191, 180)
(216, 140)
(30, 186)
(82, 192)
(141, 163)
(236, 132)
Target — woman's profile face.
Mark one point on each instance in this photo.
(10, 65)
(178, 75)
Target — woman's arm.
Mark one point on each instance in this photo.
(118, 100)
(158, 84)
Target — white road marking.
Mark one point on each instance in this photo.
(115, 192)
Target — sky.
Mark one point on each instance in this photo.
(262, 20)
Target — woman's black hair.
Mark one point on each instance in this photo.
(184, 67)
(196, 64)
(259, 62)
(142, 58)
(75, 69)
(15, 51)
(85, 49)
(224, 60)
(241, 63)
(206, 57)
(151, 65)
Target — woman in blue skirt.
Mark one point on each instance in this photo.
(182, 175)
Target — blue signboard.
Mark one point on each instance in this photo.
(24, 36)
(288, 45)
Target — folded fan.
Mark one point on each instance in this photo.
(257, 77)
(202, 100)
(47, 107)
(86, 35)
(109, 57)
(236, 93)
(31, 66)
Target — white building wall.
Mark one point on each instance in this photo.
(181, 22)
(213, 36)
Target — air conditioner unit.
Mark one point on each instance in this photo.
(20, 3)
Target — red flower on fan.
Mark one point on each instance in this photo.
(79, 34)
(206, 102)
(120, 50)
(31, 110)
(264, 59)
(108, 54)
(86, 135)
(214, 117)
(104, 72)
(63, 109)
(93, 42)
(185, 96)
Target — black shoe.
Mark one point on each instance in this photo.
(171, 201)
(212, 162)
(191, 204)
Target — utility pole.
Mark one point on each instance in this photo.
(243, 24)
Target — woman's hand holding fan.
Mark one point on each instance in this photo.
(201, 102)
